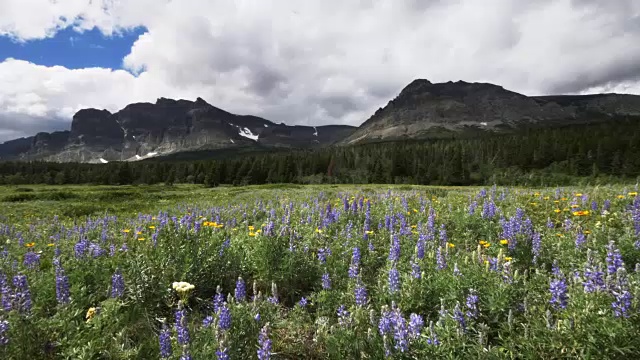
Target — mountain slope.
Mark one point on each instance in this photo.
(427, 110)
(145, 130)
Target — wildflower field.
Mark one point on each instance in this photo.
(319, 272)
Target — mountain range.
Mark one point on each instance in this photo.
(422, 110)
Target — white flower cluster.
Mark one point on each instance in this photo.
(182, 286)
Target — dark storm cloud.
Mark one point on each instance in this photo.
(15, 125)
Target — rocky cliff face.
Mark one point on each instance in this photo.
(144, 130)
(427, 110)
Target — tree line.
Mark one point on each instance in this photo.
(602, 152)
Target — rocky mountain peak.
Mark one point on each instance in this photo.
(427, 110)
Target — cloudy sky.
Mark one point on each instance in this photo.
(312, 61)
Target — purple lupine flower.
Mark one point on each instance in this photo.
(550, 224)
(458, 316)
(4, 332)
(440, 259)
(394, 250)
(433, 337)
(415, 269)
(344, 316)
(225, 244)
(401, 332)
(6, 297)
(581, 238)
(488, 209)
(472, 207)
(535, 246)
(620, 290)
(224, 318)
(394, 280)
(181, 326)
(614, 258)
(322, 254)
(420, 246)
(218, 299)
(241, 290)
(355, 263)
(593, 274)
(326, 281)
(31, 260)
(622, 303)
(443, 235)
(385, 324)
(165, 342)
(303, 302)
(264, 344)
(117, 284)
(416, 323)
(606, 205)
(360, 293)
(472, 305)
(222, 354)
(22, 296)
(62, 287)
(594, 206)
(185, 355)
(80, 248)
(558, 289)
(207, 321)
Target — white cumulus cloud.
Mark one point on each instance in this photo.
(316, 62)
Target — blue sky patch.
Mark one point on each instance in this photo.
(72, 49)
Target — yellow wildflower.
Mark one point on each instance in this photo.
(620, 196)
(91, 313)
(252, 234)
(581, 213)
(451, 245)
(633, 193)
(152, 227)
(579, 194)
(126, 231)
(486, 245)
(557, 210)
(31, 244)
(504, 241)
(508, 258)
(141, 239)
(51, 244)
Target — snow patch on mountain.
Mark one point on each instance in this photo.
(248, 134)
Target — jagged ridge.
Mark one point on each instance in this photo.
(143, 130)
